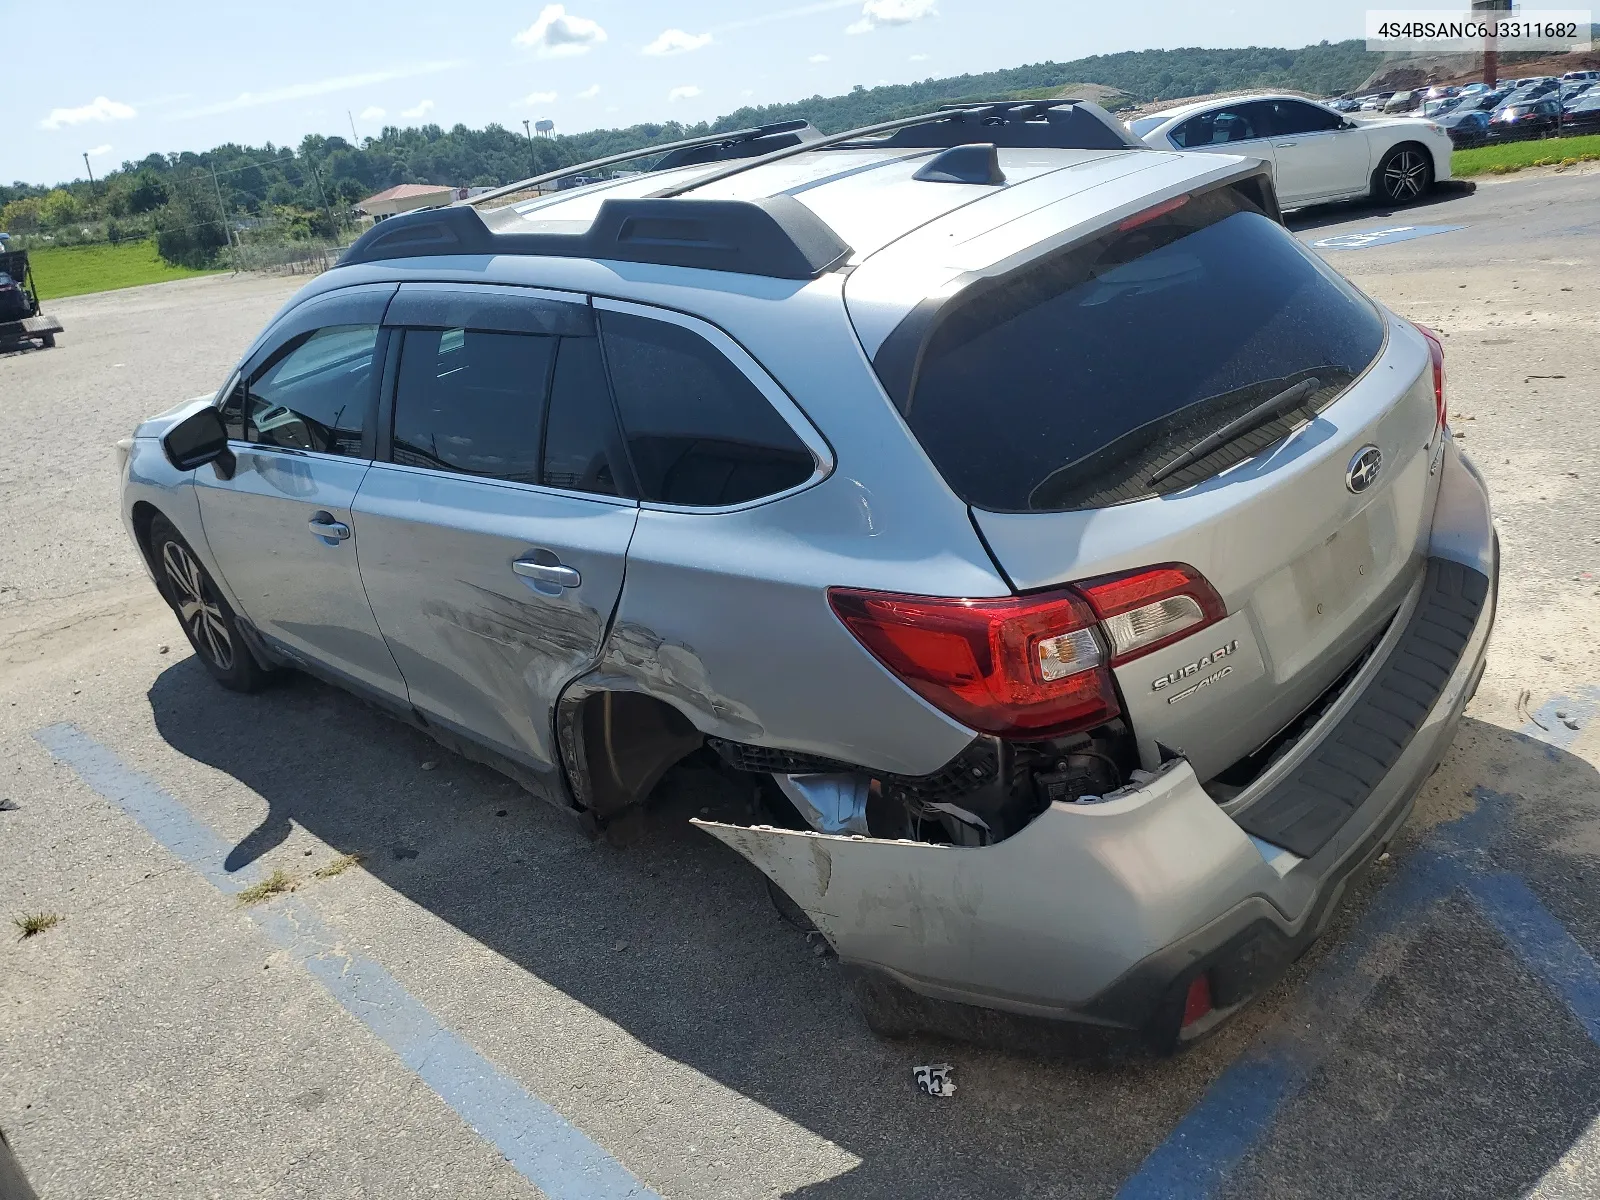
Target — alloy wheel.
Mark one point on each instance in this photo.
(1405, 175)
(198, 606)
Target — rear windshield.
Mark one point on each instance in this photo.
(1068, 384)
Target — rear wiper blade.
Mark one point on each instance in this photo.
(1290, 398)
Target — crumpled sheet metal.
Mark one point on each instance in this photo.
(1038, 923)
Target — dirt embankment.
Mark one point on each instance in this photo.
(1425, 70)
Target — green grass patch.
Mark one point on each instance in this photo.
(1513, 156)
(276, 884)
(33, 924)
(76, 270)
(339, 865)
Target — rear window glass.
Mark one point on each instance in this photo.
(1071, 383)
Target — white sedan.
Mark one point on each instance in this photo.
(1317, 154)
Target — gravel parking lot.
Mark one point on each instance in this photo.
(645, 1001)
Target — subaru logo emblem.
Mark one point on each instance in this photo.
(1363, 469)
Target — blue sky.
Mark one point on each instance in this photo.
(122, 80)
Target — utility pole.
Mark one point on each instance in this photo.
(328, 212)
(222, 208)
(529, 131)
(90, 169)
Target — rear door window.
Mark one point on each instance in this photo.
(582, 448)
(472, 401)
(1238, 123)
(1069, 383)
(699, 432)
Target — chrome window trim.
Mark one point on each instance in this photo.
(537, 489)
(791, 413)
(294, 452)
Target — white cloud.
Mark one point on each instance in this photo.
(321, 87)
(535, 99)
(687, 92)
(919, 58)
(422, 109)
(98, 151)
(590, 92)
(817, 58)
(560, 34)
(98, 109)
(676, 41)
(876, 13)
(372, 113)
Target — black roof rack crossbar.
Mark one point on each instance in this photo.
(737, 144)
(1068, 125)
(777, 236)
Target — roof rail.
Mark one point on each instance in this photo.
(1066, 125)
(714, 147)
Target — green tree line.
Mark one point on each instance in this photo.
(308, 192)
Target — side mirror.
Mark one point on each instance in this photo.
(197, 440)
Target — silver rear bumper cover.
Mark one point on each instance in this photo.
(1099, 913)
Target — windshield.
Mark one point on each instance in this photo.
(1069, 384)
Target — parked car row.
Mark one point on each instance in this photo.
(1514, 110)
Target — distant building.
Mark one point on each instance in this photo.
(406, 197)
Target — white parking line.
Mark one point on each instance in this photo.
(550, 1152)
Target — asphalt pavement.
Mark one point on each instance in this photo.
(490, 1004)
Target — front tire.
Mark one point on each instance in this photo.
(1404, 177)
(208, 622)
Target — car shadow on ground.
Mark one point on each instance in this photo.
(713, 977)
(1320, 216)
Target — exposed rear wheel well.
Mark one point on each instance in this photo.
(616, 746)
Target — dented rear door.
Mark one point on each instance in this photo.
(492, 538)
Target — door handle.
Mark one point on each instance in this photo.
(1285, 145)
(324, 526)
(556, 573)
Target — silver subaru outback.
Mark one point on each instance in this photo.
(1082, 570)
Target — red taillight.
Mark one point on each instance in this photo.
(1436, 353)
(1017, 666)
(1030, 666)
(1141, 611)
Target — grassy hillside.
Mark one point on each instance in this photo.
(74, 270)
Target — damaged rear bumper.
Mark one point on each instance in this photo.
(1105, 913)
